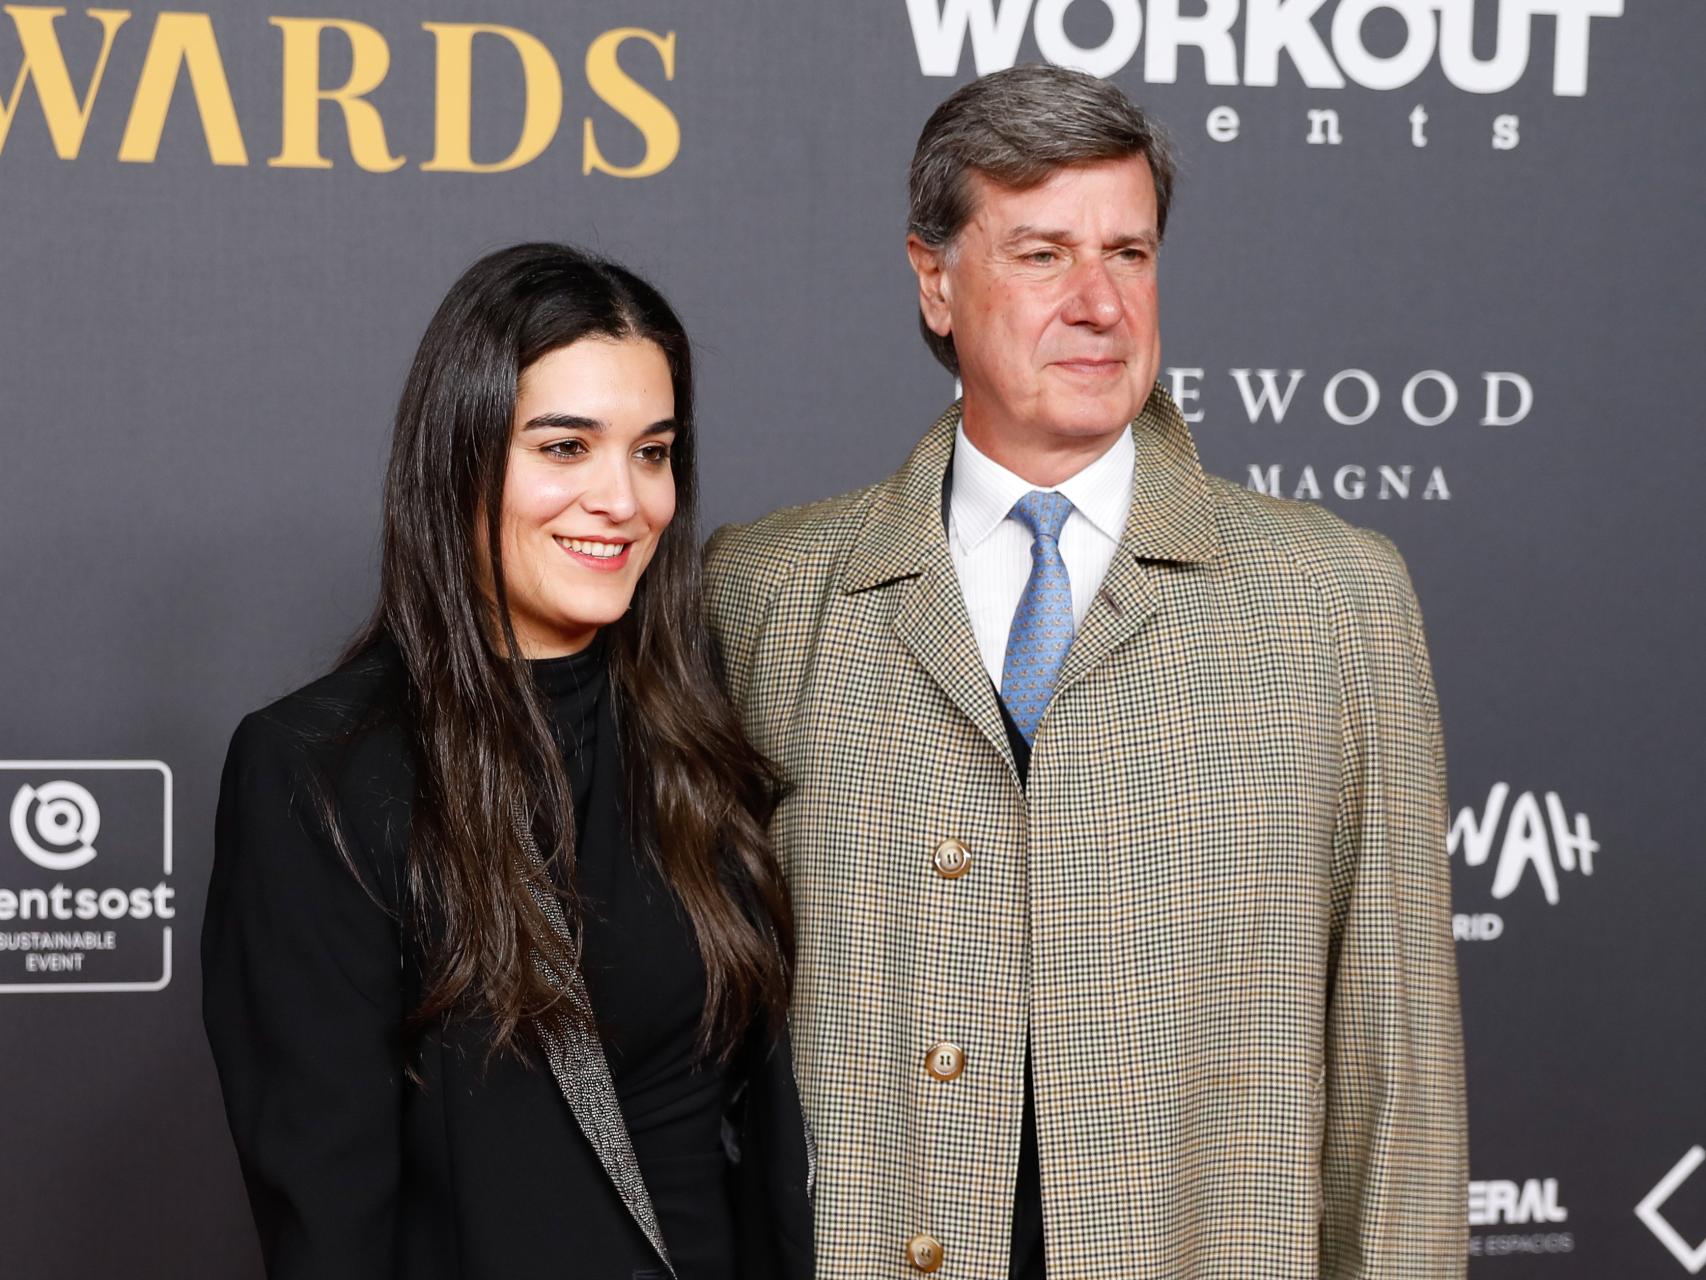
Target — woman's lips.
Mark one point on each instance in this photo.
(606, 563)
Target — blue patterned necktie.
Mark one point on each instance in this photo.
(1042, 624)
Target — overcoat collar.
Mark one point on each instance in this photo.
(1171, 522)
(1171, 517)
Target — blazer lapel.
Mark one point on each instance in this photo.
(576, 1056)
(1171, 521)
(904, 540)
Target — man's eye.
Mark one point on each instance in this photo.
(1042, 257)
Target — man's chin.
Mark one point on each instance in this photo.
(1091, 420)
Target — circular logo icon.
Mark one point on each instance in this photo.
(55, 825)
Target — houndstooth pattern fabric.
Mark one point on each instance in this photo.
(1042, 624)
(577, 1061)
(1218, 919)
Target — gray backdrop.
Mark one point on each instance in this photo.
(198, 362)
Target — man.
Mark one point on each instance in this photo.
(1117, 822)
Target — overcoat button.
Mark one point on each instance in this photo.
(923, 1252)
(945, 1060)
(952, 859)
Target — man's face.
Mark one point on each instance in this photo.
(1050, 295)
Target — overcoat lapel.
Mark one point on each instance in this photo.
(1123, 607)
(576, 1056)
(904, 539)
(933, 622)
(1170, 521)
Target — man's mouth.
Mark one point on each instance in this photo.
(596, 553)
(1091, 364)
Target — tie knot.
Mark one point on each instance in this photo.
(1044, 514)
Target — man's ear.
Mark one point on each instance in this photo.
(934, 292)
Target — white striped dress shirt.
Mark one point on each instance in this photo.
(992, 551)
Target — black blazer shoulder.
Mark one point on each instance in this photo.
(369, 1151)
(335, 750)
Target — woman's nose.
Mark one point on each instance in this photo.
(611, 492)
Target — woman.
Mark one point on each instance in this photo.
(495, 943)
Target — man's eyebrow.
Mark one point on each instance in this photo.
(1142, 239)
(1020, 234)
(1025, 231)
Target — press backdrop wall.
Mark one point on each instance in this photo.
(1435, 264)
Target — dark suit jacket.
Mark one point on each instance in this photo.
(481, 1168)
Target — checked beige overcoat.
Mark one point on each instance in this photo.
(1219, 914)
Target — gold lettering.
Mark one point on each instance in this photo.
(452, 144)
(370, 59)
(656, 122)
(183, 40)
(44, 63)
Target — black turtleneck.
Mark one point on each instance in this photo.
(646, 978)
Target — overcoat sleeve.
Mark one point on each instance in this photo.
(303, 1002)
(736, 604)
(1394, 1145)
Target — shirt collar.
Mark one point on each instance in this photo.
(984, 491)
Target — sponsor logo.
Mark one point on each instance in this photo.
(1515, 1203)
(86, 900)
(1266, 398)
(1530, 1203)
(1691, 1256)
(1538, 837)
(1326, 44)
(182, 65)
(1351, 482)
(62, 814)
(1268, 31)
(1479, 926)
(1350, 397)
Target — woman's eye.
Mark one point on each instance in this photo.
(565, 448)
(656, 453)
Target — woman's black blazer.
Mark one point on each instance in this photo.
(474, 1169)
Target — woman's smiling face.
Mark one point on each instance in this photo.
(588, 490)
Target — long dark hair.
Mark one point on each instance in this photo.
(699, 794)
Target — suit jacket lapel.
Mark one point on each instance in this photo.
(904, 543)
(576, 1057)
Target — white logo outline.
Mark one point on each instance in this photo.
(147, 985)
(1692, 1257)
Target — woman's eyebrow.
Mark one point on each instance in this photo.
(558, 421)
(574, 422)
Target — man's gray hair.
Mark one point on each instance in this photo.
(1016, 128)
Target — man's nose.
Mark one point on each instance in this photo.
(611, 491)
(1094, 299)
